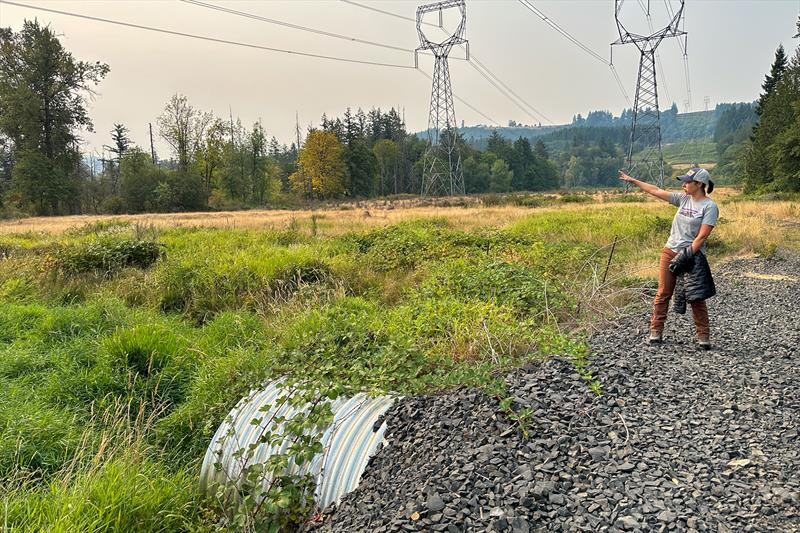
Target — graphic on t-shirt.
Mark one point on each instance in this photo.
(687, 211)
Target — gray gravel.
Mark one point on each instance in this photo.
(681, 440)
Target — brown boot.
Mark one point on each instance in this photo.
(656, 336)
(704, 342)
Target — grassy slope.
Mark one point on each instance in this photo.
(111, 384)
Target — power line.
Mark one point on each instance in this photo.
(541, 116)
(685, 51)
(619, 82)
(206, 38)
(646, 10)
(297, 26)
(578, 43)
(487, 117)
(364, 6)
(494, 81)
(562, 31)
(294, 26)
(486, 73)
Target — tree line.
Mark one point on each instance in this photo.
(770, 159)
(217, 162)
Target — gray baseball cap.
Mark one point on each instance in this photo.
(700, 175)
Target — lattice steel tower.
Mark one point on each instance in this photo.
(442, 174)
(646, 128)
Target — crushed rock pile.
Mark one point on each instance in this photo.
(680, 440)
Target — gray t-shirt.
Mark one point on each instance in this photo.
(687, 221)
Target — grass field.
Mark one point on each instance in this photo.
(124, 341)
(685, 154)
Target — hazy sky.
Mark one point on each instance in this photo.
(731, 45)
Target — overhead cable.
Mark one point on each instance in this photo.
(206, 38)
(547, 20)
(646, 10)
(364, 6)
(541, 116)
(487, 117)
(495, 81)
(562, 31)
(685, 51)
(486, 73)
(297, 26)
(294, 26)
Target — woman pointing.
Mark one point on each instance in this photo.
(685, 249)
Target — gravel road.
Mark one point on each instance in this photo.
(680, 440)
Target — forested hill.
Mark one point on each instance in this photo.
(674, 126)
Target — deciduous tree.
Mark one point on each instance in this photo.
(183, 126)
(322, 168)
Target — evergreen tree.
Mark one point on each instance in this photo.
(43, 93)
(259, 177)
(498, 145)
(500, 177)
(387, 155)
(139, 179)
(765, 165)
(772, 79)
(274, 147)
(540, 149)
(521, 160)
(121, 143)
(362, 170)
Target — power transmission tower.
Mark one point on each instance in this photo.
(646, 127)
(442, 174)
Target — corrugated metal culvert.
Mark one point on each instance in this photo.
(348, 442)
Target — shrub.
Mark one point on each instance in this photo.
(405, 246)
(351, 342)
(114, 205)
(576, 199)
(495, 281)
(528, 201)
(203, 286)
(469, 331)
(106, 257)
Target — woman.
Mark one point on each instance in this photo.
(696, 217)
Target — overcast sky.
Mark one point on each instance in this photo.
(731, 45)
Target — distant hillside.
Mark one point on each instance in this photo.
(675, 127)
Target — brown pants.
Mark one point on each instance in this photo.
(666, 286)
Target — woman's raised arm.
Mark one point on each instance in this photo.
(646, 187)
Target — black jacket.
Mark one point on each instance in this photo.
(694, 282)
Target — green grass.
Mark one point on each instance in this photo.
(690, 152)
(115, 373)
